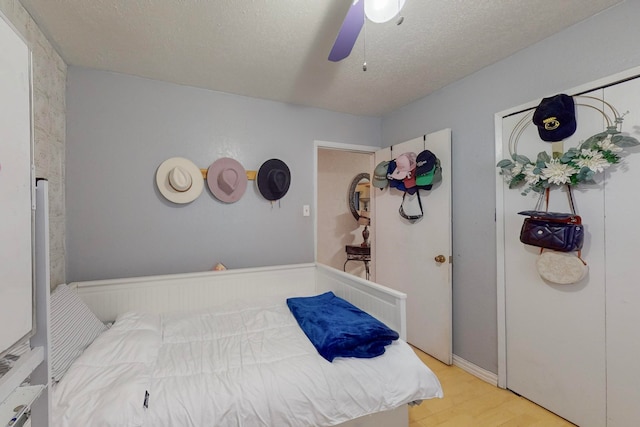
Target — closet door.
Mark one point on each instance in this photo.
(555, 334)
(622, 234)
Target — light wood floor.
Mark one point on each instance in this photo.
(469, 401)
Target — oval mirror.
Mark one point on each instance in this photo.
(358, 196)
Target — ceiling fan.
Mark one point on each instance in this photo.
(377, 11)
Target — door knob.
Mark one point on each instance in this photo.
(440, 258)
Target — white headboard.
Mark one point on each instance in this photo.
(193, 291)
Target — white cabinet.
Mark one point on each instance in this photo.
(24, 243)
(16, 184)
(15, 408)
(36, 363)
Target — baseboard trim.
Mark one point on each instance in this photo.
(475, 370)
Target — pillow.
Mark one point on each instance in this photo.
(73, 328)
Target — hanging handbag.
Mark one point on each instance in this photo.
(561, 232)
(561, 268)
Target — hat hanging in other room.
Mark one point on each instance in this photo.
(380, 175)
(273, 179)
(227, 180)
(405, 163)
(555, 118)
(179, 180)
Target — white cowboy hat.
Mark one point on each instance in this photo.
(227, 179)
(179, 180)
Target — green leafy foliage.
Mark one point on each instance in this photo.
(625, 141)
(574, 166)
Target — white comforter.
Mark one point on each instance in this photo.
(229, 367)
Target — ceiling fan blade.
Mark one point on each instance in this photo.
(349, 32)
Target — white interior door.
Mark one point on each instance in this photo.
(405, 253)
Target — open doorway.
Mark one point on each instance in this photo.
(411, 255)
(335, 226)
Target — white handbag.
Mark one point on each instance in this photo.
(562, 268)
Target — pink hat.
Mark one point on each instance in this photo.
(405, 163)
(227, 180)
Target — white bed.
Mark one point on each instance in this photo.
(222, 349)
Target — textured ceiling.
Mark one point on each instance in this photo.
(277, 49)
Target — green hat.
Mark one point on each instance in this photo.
(426, 180)
(380, 175)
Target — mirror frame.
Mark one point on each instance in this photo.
(352, 192)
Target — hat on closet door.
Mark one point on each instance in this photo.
(273, 179)
(227, 180)
(179, 180)
(555, 118)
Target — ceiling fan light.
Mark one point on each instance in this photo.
(380, 11)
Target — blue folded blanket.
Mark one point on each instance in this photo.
(339, 329)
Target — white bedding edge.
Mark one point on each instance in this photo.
(109, 380)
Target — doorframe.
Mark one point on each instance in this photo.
(499, 214)
(338, 146)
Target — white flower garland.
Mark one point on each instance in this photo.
(576, 165)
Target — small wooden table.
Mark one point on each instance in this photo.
(358, 253)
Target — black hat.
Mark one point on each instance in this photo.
(425, 162)
(273, 179)
(428, 171)
(555, 118)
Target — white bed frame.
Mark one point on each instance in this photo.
(193, 291)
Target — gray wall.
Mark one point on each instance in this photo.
(598, 47)
(120, 128)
